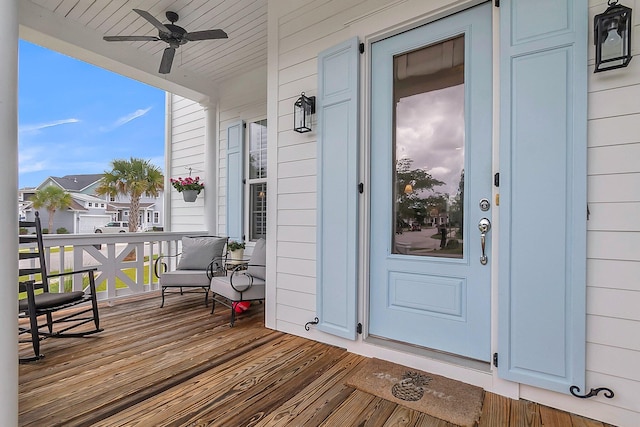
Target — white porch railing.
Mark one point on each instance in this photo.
(124, 260)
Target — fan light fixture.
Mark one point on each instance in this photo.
(612, 37)
(303, 108)
(172, 34)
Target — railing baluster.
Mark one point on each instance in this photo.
(86, 252)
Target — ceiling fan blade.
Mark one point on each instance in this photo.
(206, 35)
(152, 20)
(167, 60)
(130, 38)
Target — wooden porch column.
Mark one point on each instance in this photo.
(9, 214)
(211, 168)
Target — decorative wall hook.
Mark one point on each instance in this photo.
(190, 169)
(307, 325)
(608, 393)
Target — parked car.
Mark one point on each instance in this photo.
(114, 227)
(415, 227)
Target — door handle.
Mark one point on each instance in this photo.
(484, 226)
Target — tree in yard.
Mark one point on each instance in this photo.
(412, 187)
(134, 178)
(52, 198)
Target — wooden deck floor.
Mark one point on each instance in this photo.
(181, 366)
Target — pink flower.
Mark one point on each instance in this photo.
(187, 183)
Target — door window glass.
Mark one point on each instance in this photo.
(429, 147)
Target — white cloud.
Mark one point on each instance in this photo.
(126, 119)
(38, 127)
(30, 160)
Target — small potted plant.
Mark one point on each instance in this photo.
(236, 250)
(189, 187)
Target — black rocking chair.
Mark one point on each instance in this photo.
(39, 301)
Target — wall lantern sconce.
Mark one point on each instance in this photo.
(612, 37)
(302, 111)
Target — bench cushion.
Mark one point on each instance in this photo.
(185, 278)
(49, 300)
(222, 286)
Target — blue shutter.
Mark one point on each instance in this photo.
(337, 238)
(235, 184)
(543, 190)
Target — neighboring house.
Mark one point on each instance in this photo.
(543, 301)
(87, 210)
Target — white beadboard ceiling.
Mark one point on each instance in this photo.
(76, 28)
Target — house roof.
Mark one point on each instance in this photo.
(76, 182)
(87, 198)
(75, 206)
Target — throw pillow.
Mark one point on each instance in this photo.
(258, 262)
(198, 252)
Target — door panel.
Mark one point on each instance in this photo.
(430, 167)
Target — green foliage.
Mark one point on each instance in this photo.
(62, 230)
(52, 198)
(411, 186)
(234, 246)
(133, 178)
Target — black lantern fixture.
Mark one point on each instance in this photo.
(612, 37)
(302, 111)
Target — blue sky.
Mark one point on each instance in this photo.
(75, 118)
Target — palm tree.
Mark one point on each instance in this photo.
(134, 178)
(51, 198)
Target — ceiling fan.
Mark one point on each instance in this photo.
(172, 34)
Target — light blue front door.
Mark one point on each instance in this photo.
(431, 181)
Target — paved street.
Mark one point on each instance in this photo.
(418, 242)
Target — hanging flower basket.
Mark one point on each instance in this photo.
(189, 187)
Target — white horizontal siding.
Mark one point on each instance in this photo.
(614, 303)
(302, 284)
(614, 130)
(297, 201)
(600, 273)
(613, 361)
(613, 245)
(296, 299)
(600, 328)
(613, 188)
(187, 151)
(613, 236)
(288, 233)
(297, 250)
(614, 159)
(621, 216)
(243, 97)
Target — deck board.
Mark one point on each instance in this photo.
(182, 366)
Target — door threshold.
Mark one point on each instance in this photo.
(428, 353)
